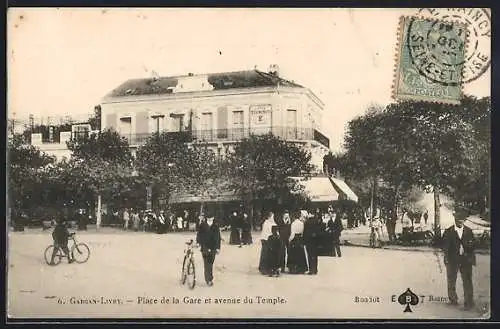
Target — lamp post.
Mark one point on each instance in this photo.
(157, 117)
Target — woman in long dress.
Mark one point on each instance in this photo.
(265, 265)
(246, 233)
(234, 237)
(297, 256)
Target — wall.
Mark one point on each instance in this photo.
(141, 109)
(59, 150)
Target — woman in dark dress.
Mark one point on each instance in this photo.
(246, 234)
(297, 255)
(274, 244)
(234, 237)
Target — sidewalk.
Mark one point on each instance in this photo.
(360, 237)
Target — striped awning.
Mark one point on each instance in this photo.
(344, 189)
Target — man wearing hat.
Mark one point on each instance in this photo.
(312, 232)
(459, 255)
(60, 235)
(209, 238)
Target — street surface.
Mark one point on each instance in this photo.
(127, 266)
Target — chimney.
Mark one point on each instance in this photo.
(274, 70)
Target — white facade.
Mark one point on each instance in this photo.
(220, 117)
(59, 149)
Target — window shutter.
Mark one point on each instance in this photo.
(111, 121)
(142, 123)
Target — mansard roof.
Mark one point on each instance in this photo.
(219, 81)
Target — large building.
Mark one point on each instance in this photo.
(219, 109)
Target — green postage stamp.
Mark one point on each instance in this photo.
(430, 60)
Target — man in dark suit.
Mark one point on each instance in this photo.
(335, 228)
(209, 238)
(459, 255)
(312, 231)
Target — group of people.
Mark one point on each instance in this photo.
(293, 242)
(241, 229)
(160, 221)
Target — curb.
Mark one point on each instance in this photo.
(350, 244)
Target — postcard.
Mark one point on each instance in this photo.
(256, 163)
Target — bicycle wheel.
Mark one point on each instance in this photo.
(184, 270)
(80, 253)
(48, 256)
(191, 275)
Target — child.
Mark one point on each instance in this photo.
(274, 243)
(376, 226)
(60, 236)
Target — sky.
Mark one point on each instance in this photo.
(63, 61)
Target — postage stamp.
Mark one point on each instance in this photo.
(430, 60)
(478, 51)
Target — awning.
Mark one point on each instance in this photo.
(318, 189)
(345, 189)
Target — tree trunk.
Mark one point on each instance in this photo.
(149, 197)
(202, 205)
(391, 223)
(437, 213)
(371, 200)
(99, 210)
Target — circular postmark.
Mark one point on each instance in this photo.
(437, 49)
(477, 56)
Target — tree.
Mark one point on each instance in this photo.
(261, 166)
(205, 174)
(100, 163)
(474, 189)
(25, 174)
(369, 155)
(161, 162)
(442, 144)
(444, 148)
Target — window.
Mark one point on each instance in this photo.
(206, 126)
(178, 120)
(291, 124)
(125, 127)
(238, 119)
(222, 122)
(81, 131)
(238, 124)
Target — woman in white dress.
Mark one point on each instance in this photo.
(267, 230)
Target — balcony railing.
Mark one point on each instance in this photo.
(235, 134)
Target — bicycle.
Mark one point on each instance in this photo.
(80, 252)
(188, 268)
